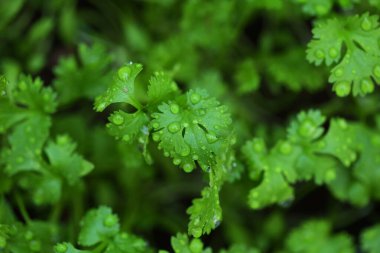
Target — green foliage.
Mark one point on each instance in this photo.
(370, 239)
(310, 154)
(357, 67)
(212, 148)
(86, 77)
(316, 236)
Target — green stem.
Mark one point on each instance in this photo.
(56, 213)
(100, 247)
(22, 209)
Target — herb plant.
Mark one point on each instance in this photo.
(189, 126)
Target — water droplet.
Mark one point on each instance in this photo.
(366, 24)
(126, 138)
(196, 232)
(342, 88)
(333, 52)
(195, 157)
(338, 72)
(185, 150)
(110, 221)
(174, 127)
(307, 128)
(156, 125)
(195, 121)
(166, 154)
(203, 147)
(202, 112)
(117, 119)
(101, 106)
(156, 137)
(174, 108)
(188, 168)
(211, 138)
(195, 98)
(124, 72)
(286, 148)
(216, 221)
(376, 71)
(367, 86)
(60, 248)
(177, 161)
(319, 54)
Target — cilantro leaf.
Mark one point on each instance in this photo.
(181, 244)
(98, 225)
(34, 96)
(315, 236)
(67, 248)
(26, 144)
(193, 127)
(205, 213)
(127, 126)
(122, 88)
(358, 66)
(161, 88)
(370, 239)
(127, 243)
(64, 161)
(86, 77)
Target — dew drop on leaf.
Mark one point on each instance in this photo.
(343, 88)
(188, 168)
(367, 86)
(156, 136)
(211, 138)
(185, 150)
(174, 127)
(117, 119)
(174, 108)
(376, 71)
(110, 220)
(307, 128)
(176, 161)
(195, 98)
(124, 72)
(196, 232)
(338, 72)
(319, 54)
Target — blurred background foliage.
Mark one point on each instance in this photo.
(249, 54)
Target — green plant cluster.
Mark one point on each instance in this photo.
(189, 126)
